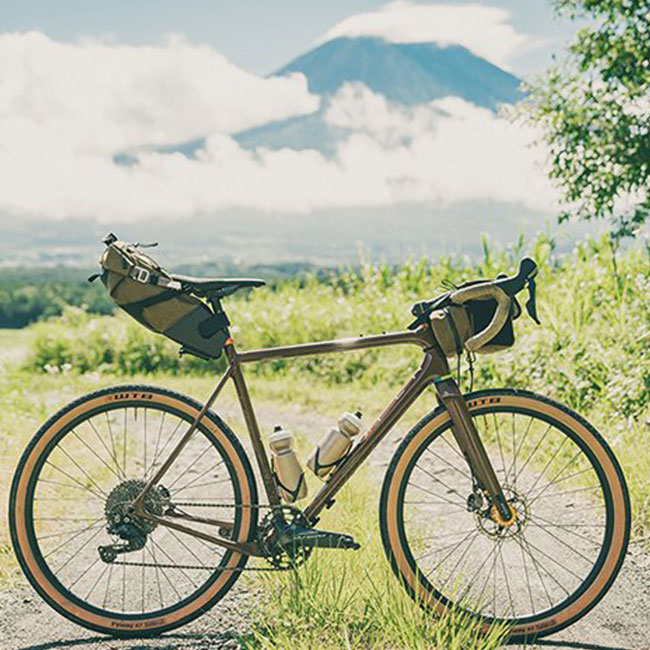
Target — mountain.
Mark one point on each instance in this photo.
(405, 73)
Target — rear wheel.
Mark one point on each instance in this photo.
(69, 498)
(559, 554)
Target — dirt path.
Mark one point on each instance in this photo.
(26, 623)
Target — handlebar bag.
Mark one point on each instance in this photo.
(455, 324)
(148, 293)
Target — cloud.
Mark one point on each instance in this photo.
(65, 110)
(95, 96)
(484, 30)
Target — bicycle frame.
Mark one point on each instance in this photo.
(434, 369)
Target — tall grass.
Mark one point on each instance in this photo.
(351, 599)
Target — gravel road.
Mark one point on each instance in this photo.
(619, 622)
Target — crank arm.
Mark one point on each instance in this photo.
(246, 548)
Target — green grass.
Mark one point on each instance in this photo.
(351, 599)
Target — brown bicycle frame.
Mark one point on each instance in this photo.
(434, 369)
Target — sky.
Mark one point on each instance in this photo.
(84, 80)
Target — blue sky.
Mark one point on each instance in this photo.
(257, 35)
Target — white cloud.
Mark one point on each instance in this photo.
(484, 30)
(66, 109)
(95, 96)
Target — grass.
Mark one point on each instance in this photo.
(351, 599)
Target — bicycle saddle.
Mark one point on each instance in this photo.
(221, 286)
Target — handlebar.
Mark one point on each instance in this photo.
(484, 291)
(502, 290)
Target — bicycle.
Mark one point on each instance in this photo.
(500, 503)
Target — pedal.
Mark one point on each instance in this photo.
(314, 538)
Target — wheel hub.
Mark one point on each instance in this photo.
(120, 515)
(491, 523)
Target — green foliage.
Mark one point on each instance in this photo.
(30, 295)
(595, 112)
(594, 306)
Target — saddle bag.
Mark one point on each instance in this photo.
(148, 293)
(455, 324)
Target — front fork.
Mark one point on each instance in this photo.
(471, 445)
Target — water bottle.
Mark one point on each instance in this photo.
(289, 472)
(335, 445)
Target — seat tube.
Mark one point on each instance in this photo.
(470, 443)
(253, 428)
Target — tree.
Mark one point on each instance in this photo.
(594, 109)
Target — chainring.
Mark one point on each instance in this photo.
(283, 557)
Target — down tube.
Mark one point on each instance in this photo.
(391, 414)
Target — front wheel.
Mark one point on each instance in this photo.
(559, 554)
(68, 500)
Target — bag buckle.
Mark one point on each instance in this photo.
(140, 274)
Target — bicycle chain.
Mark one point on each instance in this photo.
(190, 567)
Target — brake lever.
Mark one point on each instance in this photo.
(531, 303)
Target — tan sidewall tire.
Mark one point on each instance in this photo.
(134, 625)
(389, 509)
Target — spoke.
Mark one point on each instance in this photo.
(505, 575)
(90, 539)
(536, 566)
(85, 444)
(532, 453)
(126, 411)
(66, 532)
(556, 479)
(143, 580)
(162, 550)
(444, 460)
(144, 465)
(189, 550)
(496, 426)
(514, 448)
(72, 478)
(572, 548)
(101, 440)
(199, 476)
(81, 469)
(566, 527)
(487, 578)
(167, 441)
(548, 464)
(189, 467)
(537, 561)
(108, 584)
(437, 480)
(448, 554)
(155, 452)
(451, 446)
(223, 480)
(472, 580)
(521, 444)
(460, 559)
(156, 571)
(552, 559)
(88, 568)
(444, 500)
(110, 434)
(466, 534)
(530, 591)
(152, 552)
(101, 575)
(576, 491)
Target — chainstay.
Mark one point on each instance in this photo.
(199, 567)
